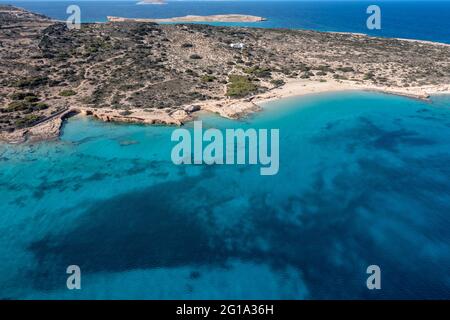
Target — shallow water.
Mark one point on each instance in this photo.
(364, 179)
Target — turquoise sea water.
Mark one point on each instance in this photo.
(364, 179)
(424, 20)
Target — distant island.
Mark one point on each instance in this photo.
(150, 73)
(152, 2)
(192, 18)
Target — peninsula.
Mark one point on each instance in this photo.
(152, 2)
(191, 18)
(143, 72)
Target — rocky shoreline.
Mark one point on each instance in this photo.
(50, 130)
(142, 72)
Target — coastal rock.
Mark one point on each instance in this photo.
(17, 136)
(46, 130)
(192, 108)
(232, 109)
(137, 116)
(180, 115)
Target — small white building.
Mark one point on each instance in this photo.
(238, 45)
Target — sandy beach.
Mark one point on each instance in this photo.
(303, 87)
(296, 88)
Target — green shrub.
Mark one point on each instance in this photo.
(306, 75)
(304, 68)
(323, 68)
(67, 93)
(369, 76)
(31, 82)
(346, 69)
(31, 99)
(17, 106)
(259, 72)
(278, 82)
(240, 86)
(339, 77)
(125, 113)
(21, 95)
(40, 106)
(26, 106)
(207, 78)
(191, 72)
(28, 120)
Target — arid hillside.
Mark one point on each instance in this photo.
(46, 68)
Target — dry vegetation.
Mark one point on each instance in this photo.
(45, 68)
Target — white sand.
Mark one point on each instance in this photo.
(228, 108)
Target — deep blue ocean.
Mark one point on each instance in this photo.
(364, 179)
(424, 20)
